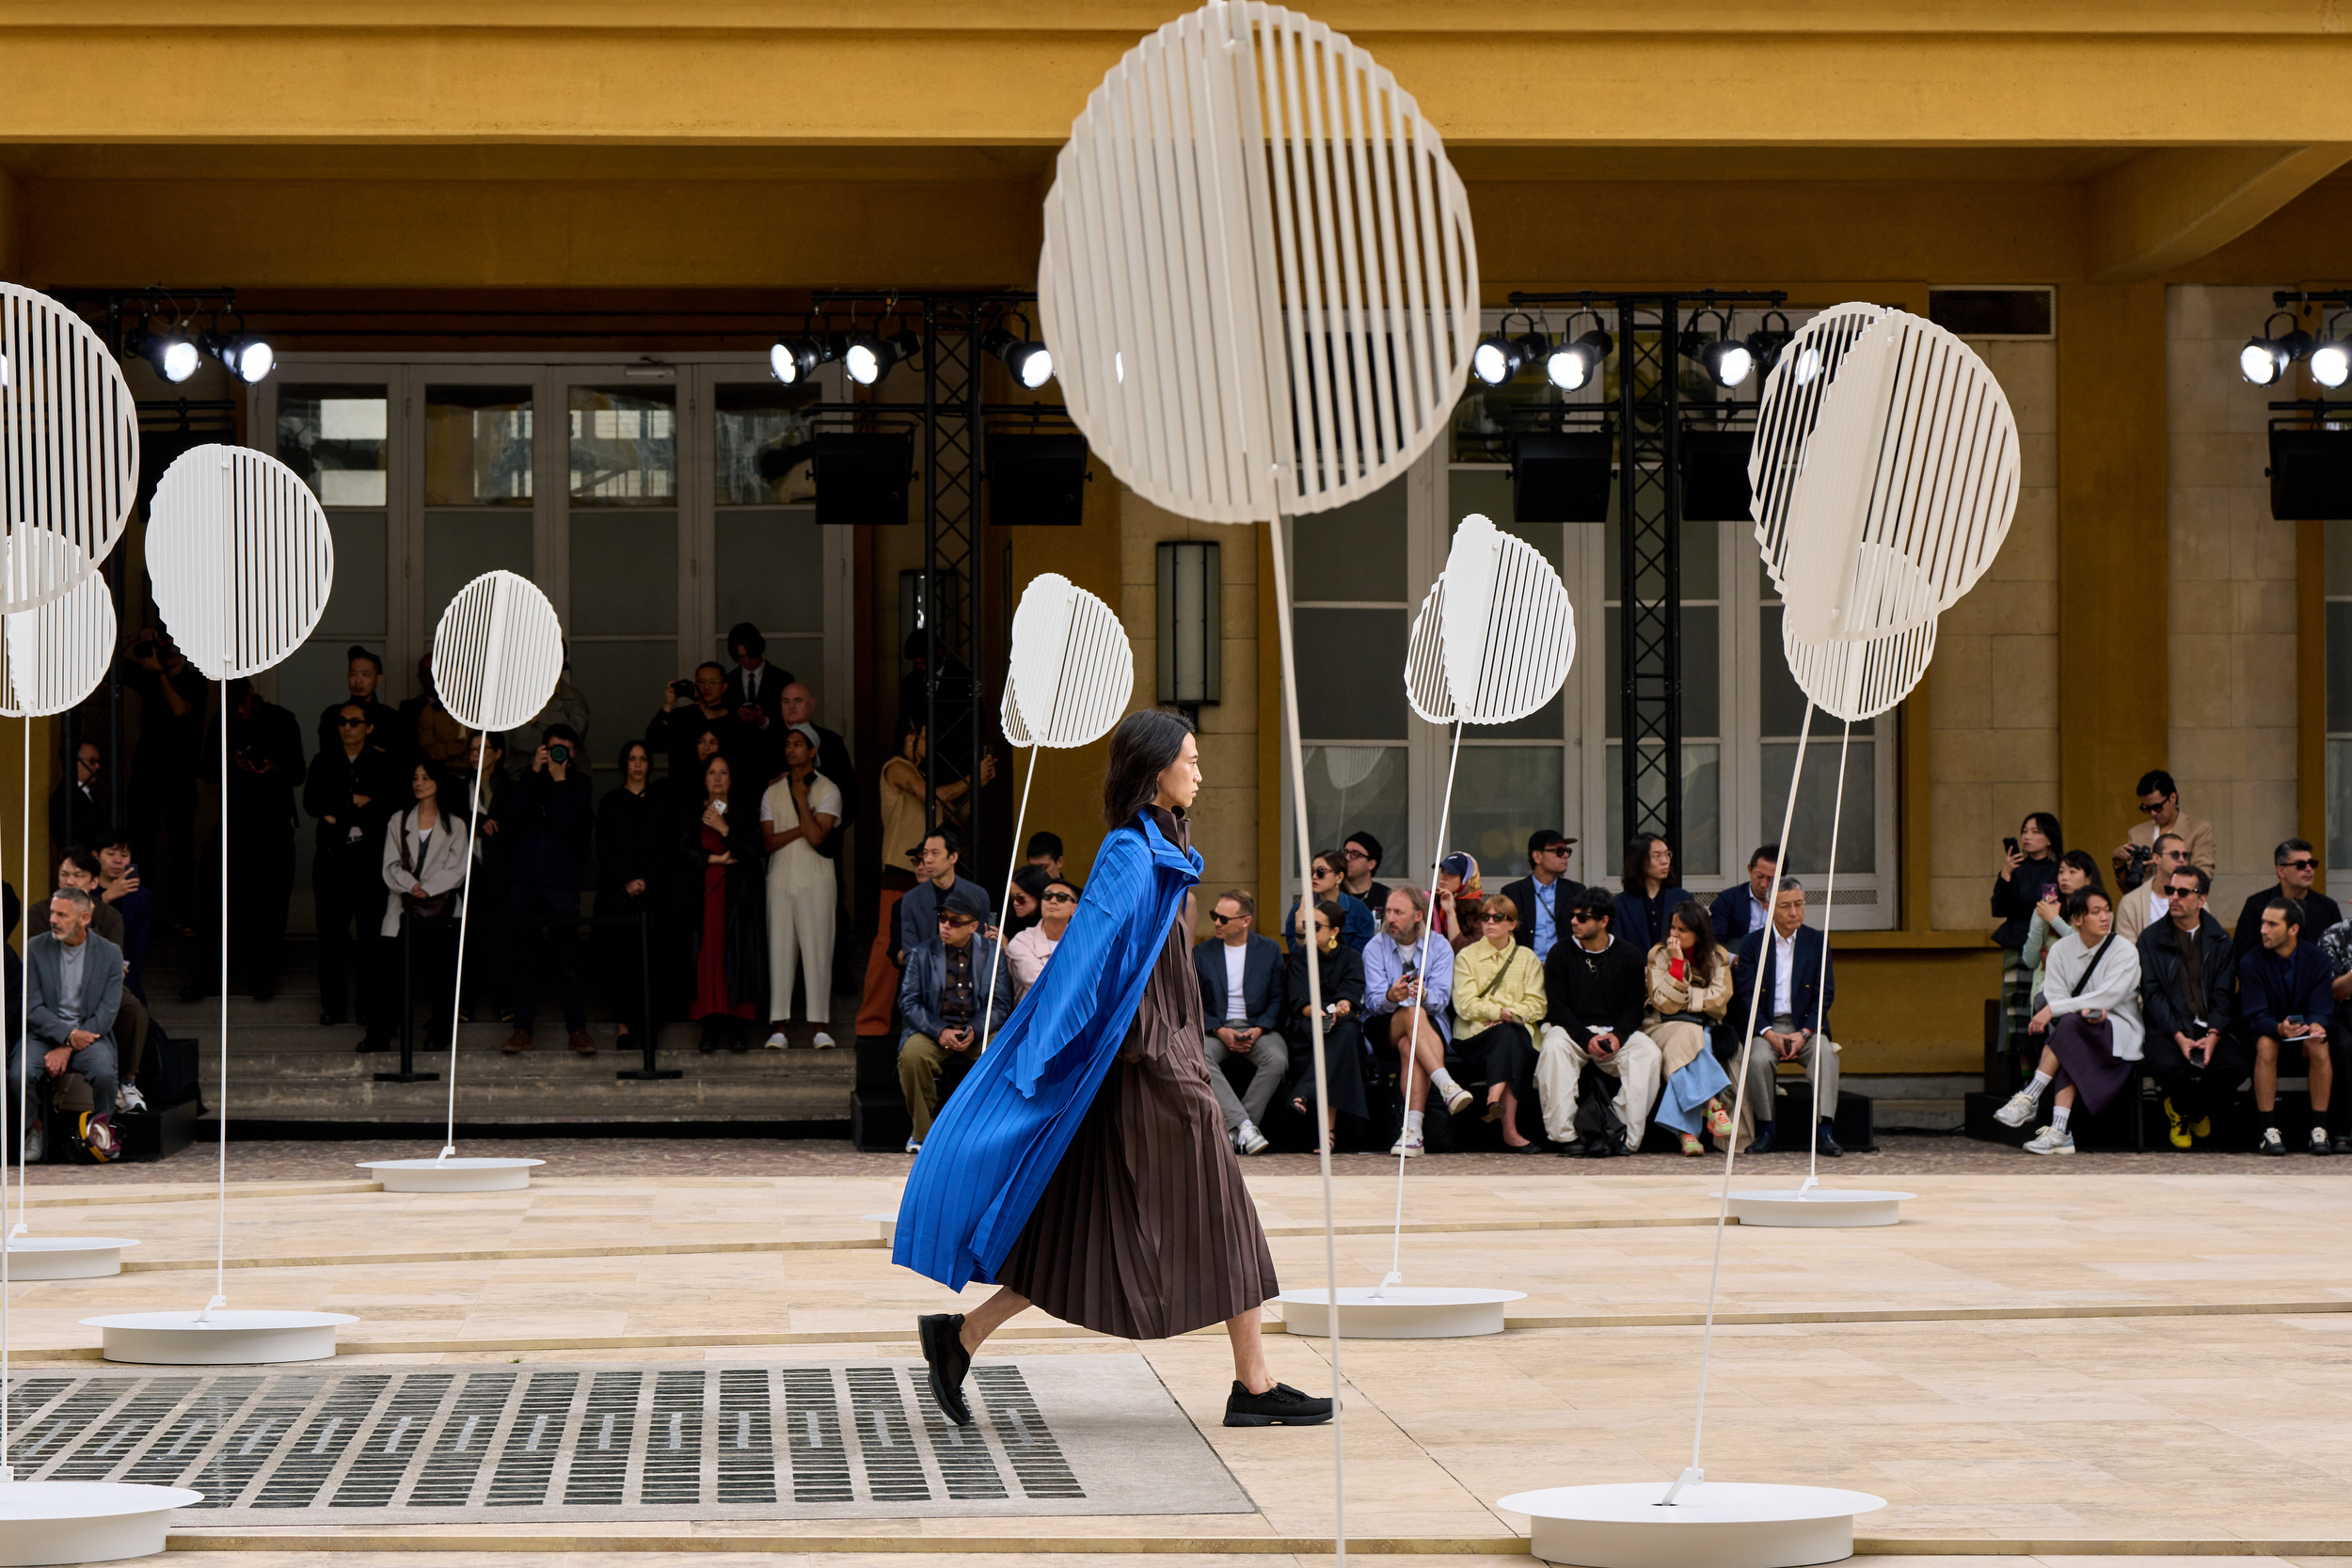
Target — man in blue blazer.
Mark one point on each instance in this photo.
(1747, 906)
(74, 991)
(1785, 973)
(1241, 1007)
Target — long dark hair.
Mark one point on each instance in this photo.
(1635, 878)
(2048, 821)
(1702, 954)
(1142, 748)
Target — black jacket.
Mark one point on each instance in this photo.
(1522, 896)
(2319, 912)
(2162, 996)
(262, 795)
(327, 791)
(1759, 968)
(385, 737)
(673, 735)
(1608, 987)
(745, 932)
(2014, 896)
(78, 816)
(632, 843)
(1260, 982)
(551, 824)
(1731, 914)
(1342, 977)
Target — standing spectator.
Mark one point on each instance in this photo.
(798, 704)
(421, 863)
(1339, 974)
(2029, 864)
(74, 991)
(1454, 909)
(2151, 903)
(349, 795)
(12, 1000)
(1360, 853)
(1498, 1005)
(1241, 1005)
(165, 769)
(550, 821)
(1406, 1006)
(118, 885)
(1045, 852)
(2295, 864)
(427, 729)
(674, 731)
(567, 704)
(2160, 801)
(2091, 1016)
(1653, 886)
(1789, 962)
(265, 770)
(632, 845)
(1593, 990)
(80, 809)
(2285, 998)
(2077, 871)
(363, 676)
(1546, 893)
(944, 993)
(1027, 954)
(1355, 923)
(1689, 983)
(902, 800)
(796, 816)
(938, 857)
(1747, 906)
(726, 913)
(2186, 1005)
(484, 797)
(755, 687)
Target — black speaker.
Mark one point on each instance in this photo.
(1036, 480)
(863, 479)
(2310, 474)
(1715, 475)
(1561, 478)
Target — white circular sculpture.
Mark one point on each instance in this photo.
(85, 1521)
(239, 557)
(1425, 689)
(1854, 681)
(216, 1337)
(1710, 1523)
(1390, 1312)
(57, 652)
(68, 446)
(66, 1257)
(498, 652)
(1818, 1208)
(472, 1174)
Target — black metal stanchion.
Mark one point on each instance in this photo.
(407, 1073)
(646, 1035)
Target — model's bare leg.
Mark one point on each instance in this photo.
(1249, 1368)
(990, 1316)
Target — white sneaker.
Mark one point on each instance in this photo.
(1249, 1140)
(1457, 1100)
(128, 1098)
(1408, 1146)
(2051, 1141)
(822, 1042)
(2020, 1109)
(777, 1042)
(913, 1147)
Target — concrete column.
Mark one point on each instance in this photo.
(12, 226)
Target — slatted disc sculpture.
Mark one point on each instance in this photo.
(69, 475)
(1261, 290)
(1067, 682)
(241, 560)
(1493, 642)
(496, 655)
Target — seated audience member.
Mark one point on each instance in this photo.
(1357, 925)
(1022, 909)
(942, 997)
(2092, 1017)
(1045, 853)
(1689, 986)
(1498, 1005)
(2077, 871)
(2151, 902)
(2160, 803)
(936, 859)
(79, 868)
(1651, 882)
(1404, 1007)
(1594, 993)
(2284, 997)
(1545, 893)
(1361, 853)
(1241, 1009)
(1748, 907)
(2295, 864)
(74, 991)
(1027, 954)
(1454, 909)
(2189, 1010)
(1786, 977)
(119, 886)
(1339, 973)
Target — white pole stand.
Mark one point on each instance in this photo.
(1399, 1311)
(1816, 1208)
(66, 1257)
(1720, 1523)
(218, 1337)
(474, 1173)
(85, 1521)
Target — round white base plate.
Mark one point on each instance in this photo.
(1713, 1524)
(889, 1224)
(85, 1521)
(227, 1338)
(473, 1174)
(1401, 1312)
(66, 1257)
(1819, 1208)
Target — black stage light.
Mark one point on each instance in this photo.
(172, 353)
(2266, 359)
(2332, 357)
(863, 480)
(1496, 359)
(1727, 361)
(1031, 361)
(1766, 341)
(793, 360)
(1561, 478)
(1037, 480)
(865, 356)
(1572, 366)
(249, 359)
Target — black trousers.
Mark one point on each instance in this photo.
(348, 886)
(547, 921)
(2196, 1092)
(261, 882)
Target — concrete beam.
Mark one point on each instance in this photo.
(2173, 206)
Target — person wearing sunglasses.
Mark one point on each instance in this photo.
(349, 794)
(2295, 864)
(1498, 1005)
(1340, 971)
(2160, 812)
(2151, 903)
(1241, 1008)
(1025, 954)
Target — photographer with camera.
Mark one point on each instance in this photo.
(550, 821)
(2134, 859)
(687, 708)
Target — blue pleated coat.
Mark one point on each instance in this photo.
(1003, 1132)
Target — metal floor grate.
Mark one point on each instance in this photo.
(446, 1444)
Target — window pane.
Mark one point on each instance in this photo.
(625, 573)
(334, 438)
(623, 446)
(1857, 831)
(477, 446)
(1356, 787)
(2339, 667)
(770, 570)
(1355, 552)
(355, 604)
(1501, 794)
(1702, 848)
(2339, 553)
(459, 547)
(2339, 803)
(623, 683)
(1351, 673)
(767, 436)
(1783, 704)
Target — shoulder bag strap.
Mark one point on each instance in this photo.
(2091, 968)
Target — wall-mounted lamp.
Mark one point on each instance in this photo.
(1192, 665)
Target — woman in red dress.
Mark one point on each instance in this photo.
(728, 912)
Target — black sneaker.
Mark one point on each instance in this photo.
(2318, 1144)
(942, 1336)
(1278, 1406)
(1825, 1144)
(2272, 1143)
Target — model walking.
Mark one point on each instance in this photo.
(1082, 1165)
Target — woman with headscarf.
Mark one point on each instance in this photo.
(1454, 910)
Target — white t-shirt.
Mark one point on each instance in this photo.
(1236, 966)
(1784, 974)
(776, 811)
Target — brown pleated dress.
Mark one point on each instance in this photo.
(1146, 1229)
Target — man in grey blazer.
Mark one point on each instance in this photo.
(75, 989)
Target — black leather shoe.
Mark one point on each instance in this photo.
(2341, 1144)
(1278, 1406)
(942, 1336)
(1571, 1149)
(1827, 1144)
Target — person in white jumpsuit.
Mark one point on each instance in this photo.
(797, 813)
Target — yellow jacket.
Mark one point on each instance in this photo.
(1521, 991)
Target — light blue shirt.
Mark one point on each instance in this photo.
(1547, 924)
(1386, 963)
